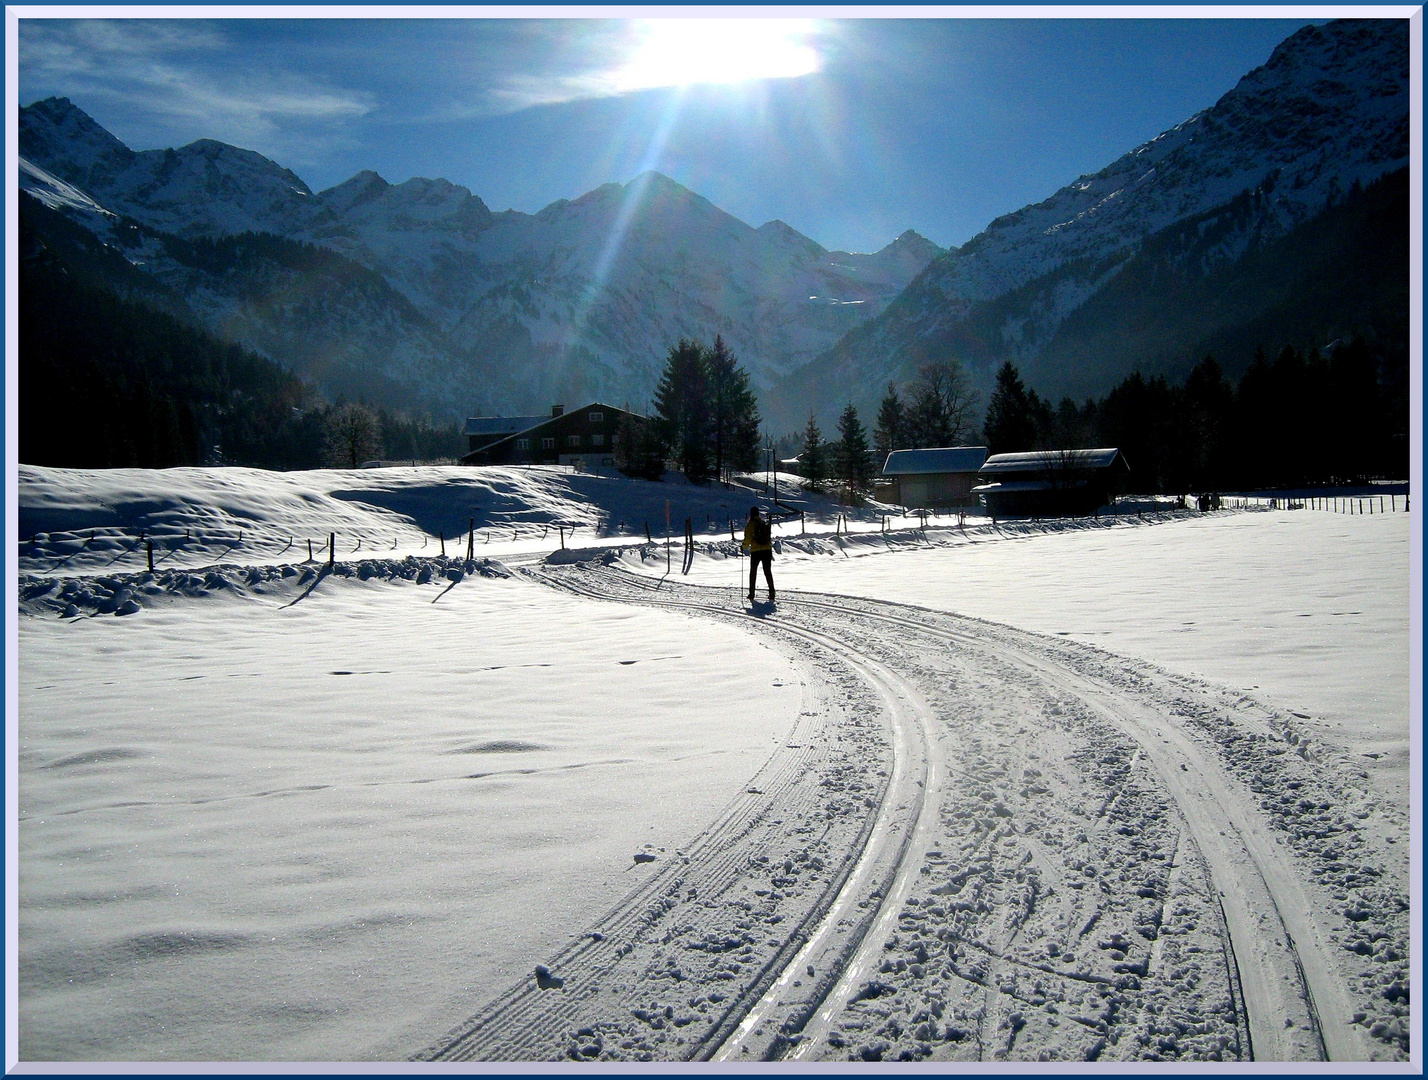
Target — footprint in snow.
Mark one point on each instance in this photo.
(545, 980)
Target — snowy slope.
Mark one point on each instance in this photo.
(1327, 111)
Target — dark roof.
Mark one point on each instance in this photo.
(497, 426)
(536, 422)
(942, 459)
(1037, 461)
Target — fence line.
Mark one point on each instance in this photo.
(153, 550)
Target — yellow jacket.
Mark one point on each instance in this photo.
(757, 535)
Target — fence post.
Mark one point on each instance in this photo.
(802, 526)
(471, 542)
(309, 550)
(331, 548)
(150, 544)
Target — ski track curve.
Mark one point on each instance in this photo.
(1058, 854)
(977, 843)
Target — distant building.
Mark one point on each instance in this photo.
(585, 437)
(1051, 483)
(937, 478)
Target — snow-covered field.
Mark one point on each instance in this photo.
(278, 811)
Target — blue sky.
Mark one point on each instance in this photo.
(849, 130)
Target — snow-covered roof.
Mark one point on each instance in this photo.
(501, 425)
(941, 459)
(1033, 461)
(1012, 485)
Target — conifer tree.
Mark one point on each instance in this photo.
(853, 450)
(734, 412)
(1011, 420)
(813, 458)
(682, 414)
(889, 433)
(639, 452)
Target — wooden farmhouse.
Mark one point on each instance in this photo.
(1051, 483)
(584, 437)
(938, 478)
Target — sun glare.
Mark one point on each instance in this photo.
(683, 52)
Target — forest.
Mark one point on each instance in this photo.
(110, 381)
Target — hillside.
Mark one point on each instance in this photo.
(1327, 114)
(463, 309)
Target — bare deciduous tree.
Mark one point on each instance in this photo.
(943, 406)
(351, 435)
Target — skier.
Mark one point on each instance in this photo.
(758, 542)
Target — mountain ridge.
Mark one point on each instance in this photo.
(583, 296)
(1328, 110)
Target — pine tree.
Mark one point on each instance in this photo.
(852, 454)
(638, 450)
(888, 435)
(734, 412)
(813, 458)
(1011, 423)
(682, 414)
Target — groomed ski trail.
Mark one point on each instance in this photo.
(1054, 854)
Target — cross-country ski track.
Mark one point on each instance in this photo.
(981, 844)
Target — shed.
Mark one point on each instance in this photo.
(936, 477)
(1051, 483)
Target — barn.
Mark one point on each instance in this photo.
(1051, 483)
(936, 478)
(584, 437)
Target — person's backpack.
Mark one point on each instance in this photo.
(763, 533)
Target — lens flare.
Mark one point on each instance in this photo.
(684, 52)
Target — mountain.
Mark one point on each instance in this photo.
(1326, 116)
(461, 307)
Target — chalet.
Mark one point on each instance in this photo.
(1051, 483)
(585, 437)
(936, 478)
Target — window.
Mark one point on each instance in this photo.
(597, 439)
(572, 440)
(547, 443)
(596, 418)
(523, 444)
(615, 439)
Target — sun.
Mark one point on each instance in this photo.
(683, 52)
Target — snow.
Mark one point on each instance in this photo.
(1305, 608)
(271, 810)
(233, 850)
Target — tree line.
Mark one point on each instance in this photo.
(1305, 417)
(108, 382)
(937, 408)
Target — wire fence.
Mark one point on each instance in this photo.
(153, 548)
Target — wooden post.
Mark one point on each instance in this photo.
(331, 548)
(471, 542)
(648, 538)
(443, 543)
(562, 537)
(150, 544)
(309, 551)
(802, 525)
